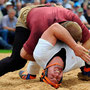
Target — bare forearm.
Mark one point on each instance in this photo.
(56, 31)
(87, 44)
(10, 29)
(79, 50)
(62, 34)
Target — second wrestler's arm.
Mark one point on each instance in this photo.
(56, 31)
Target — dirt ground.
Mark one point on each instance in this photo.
(12, 81)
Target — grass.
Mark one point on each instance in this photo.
(5, 51)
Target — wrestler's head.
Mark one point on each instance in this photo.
(53, 73)
(74, 29)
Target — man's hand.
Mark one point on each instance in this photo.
(82, 53)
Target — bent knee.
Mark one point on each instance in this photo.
(23, 53)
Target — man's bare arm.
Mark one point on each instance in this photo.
(56, 31)
(9, 28)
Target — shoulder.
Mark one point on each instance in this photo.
(5, 17)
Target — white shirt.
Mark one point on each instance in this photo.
(44, 51)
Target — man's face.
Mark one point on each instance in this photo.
(9, 7)
(11, 15)
(1, 2)
(80, 13)
(55, 73)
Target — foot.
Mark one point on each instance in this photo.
(85, 75)
(26, 76)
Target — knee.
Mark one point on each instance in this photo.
(22, 54)
(25, 55)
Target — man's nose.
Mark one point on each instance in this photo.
(56, 75)
(55, 80)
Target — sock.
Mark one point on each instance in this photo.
(33, 68)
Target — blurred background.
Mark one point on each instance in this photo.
(9, 12)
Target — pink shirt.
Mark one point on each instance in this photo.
(39, 19)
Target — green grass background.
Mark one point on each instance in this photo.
(5, 51)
